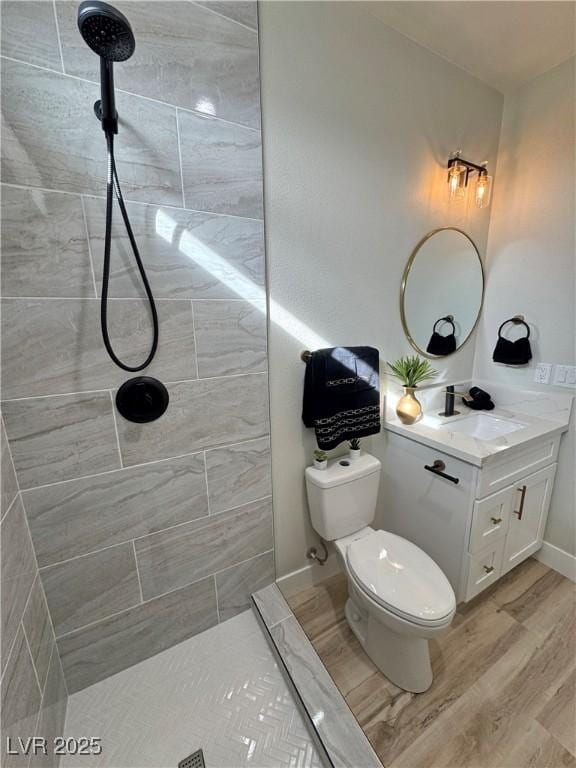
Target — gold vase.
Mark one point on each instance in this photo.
(409, 410)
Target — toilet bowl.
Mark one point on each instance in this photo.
(398, 597)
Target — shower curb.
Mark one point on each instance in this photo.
(336, 734)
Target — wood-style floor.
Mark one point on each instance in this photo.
(503, 694)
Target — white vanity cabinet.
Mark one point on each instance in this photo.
(478, 528)
(530, 502)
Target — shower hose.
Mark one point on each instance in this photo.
(113, 185)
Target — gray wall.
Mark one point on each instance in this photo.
(531, 267)
(34, 695)
(144, 534)
(351, 188)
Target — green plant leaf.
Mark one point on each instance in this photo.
(412, 370)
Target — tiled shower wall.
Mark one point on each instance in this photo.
(34, 695)
(145, 534)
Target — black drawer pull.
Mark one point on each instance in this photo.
(438, 469)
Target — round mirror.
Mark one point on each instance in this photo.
(442, 291)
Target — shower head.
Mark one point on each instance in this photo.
(109, 34)
(105, 30)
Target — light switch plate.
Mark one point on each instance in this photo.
(542, 373)
(565, 375)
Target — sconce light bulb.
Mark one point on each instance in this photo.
(453, 181)
(457, 181)
(483, 190)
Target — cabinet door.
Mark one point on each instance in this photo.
(528, 518)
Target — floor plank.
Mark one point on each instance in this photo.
(537, 596)
(503, 691)
(322, 607)
(465, 654)
(558, 717)
(547, 613)
(534, 746)
(343, 657)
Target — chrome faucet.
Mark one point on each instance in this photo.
(449, 401)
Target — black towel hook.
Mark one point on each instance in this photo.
(517, 320)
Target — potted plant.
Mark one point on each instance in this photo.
(320, 459)
(354, 452)
(411, 371)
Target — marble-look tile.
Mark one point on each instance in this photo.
(68, 153)
(44, 243)
(8, 480)
(80, 516)
(102, 649)
(20, 701)
(171, 559)
(38, 629)
(238, 474)
(91, 587)
(29, 32)
(18, 570)
(271, 605)
(52, 714)
(340, 733)
(230, 337)
(221, 166)
(235, 585)
(59, 438)
(187, 254)
(201, 414)
(244, 12)
(184, 56)
(52, 347)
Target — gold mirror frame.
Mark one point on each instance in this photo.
(406, 275)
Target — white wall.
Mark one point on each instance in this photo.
(531, 261)
(358, 122)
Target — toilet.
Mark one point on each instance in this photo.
(398, 597)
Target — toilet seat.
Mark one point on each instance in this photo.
(401, 578)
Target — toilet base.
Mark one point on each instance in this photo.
(403, 659)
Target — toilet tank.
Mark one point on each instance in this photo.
(342, 497)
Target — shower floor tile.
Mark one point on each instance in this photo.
(220, 691)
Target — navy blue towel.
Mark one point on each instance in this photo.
(342, 394)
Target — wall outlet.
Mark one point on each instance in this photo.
(565, 375)
(542, 373)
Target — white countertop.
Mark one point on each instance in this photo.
(544, 414)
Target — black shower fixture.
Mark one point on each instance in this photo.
(109, 34)
(142, 399)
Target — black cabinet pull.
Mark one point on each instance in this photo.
(438, 469)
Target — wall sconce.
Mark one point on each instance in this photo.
(459, 171)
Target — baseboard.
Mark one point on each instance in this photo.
(309, 576)
(558, 559)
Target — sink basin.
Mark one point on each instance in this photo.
(482, 426)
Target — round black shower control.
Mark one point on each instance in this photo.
(142, 399)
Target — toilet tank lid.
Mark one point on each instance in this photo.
(343, 470)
